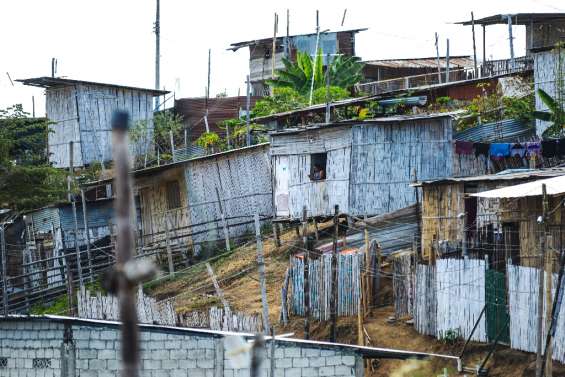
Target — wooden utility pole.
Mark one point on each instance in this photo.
(328, 99)
(474, 45)
(157, 51)
(287, 39)
(484, 45)
(437, 60)
(70, 180)
(548, 288)
(510, 41)
(33, 106)
(447, 61)
(168, 248)
(306, 245)
(543, 240)
(219, 291)
(276, 235)
(274, 48)
(86, 232)
(208, 90)
(224, 222)
(247, 113)
(262, 279)
(315, 56)
(367, 263)
(334, 305)
(4, 270)
(128, 316)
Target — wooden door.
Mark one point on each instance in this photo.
(282, 175)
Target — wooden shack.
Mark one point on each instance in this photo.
(81, 112)
(368, 165)
(185, 202)
(453, 221)
(261, 54)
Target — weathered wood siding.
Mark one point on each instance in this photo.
(385, 155)
(99, 216)
(155, 212)
(242, 179)
(62, 109)
(548, 66)
(319, 197)
(82, 113)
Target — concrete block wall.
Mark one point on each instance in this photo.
(49, 348)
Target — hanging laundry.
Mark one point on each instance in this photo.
(518, 150)
(549, 148)
(463, 147)
(500, 150)
(533, 148)
(481, 149)
(561, 147)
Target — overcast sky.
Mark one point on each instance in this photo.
(112, 40)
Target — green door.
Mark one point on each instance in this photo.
(497, 309)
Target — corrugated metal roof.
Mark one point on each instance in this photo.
(517, 19)
(237, 45)
(506, 175)
(554, 186)
(505, 130)
(54, 82)
(431, 62)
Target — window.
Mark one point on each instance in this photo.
(173, 195)
(318, 163)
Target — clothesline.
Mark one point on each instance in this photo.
(531, 149)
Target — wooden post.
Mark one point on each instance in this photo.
(367, 264)
(274, 48)
(437, 60)
(328, 100)
(306, 245)
(548, 289)
(334, 306)
(447, 61)
(511, 41)
(284, 291)
(87, 233)
(273, 345)
(262, 281)
(125, 244)
(224, 222)
(219, 291)
(377, 283)
(474, 45)
(484, 47)
(247, 114)
(168, 246)
(172, 141)
(276, 235)
(70, 179)
(539, 359)
(4, 270)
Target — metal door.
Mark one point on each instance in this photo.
(497, 306)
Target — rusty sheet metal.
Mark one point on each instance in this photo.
(431, 62)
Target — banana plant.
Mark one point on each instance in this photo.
(555, 114)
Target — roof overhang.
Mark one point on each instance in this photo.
(554, 186)
(56, 82)
(517, 19)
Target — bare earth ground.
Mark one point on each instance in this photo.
(238, 277)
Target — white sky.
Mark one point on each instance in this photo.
(112, 40)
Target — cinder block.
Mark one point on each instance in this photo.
(158, 336)
(333, 360)
(97, 344)
(292, 352)
(97, 364)
(327, 371)
(283, 363)
(178, 354)
(342, 370)
(152, 364)
(318, 362)
(205, 363)
(187, 364)
(309, 372)
(107, 354)
(169, 364)
(311, 352)
(85, 353)
(348, 360)
(206, 343)
(108, 335)
(113, 365)
(159, 355)
(293, 372)
(172, 344)
(300, 362)
(179, 373)
(327, 353)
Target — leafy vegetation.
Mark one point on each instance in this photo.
(555, 114)
(343, 71)
(26, 179)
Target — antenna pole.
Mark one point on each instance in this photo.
(157, 51)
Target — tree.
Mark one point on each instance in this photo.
(27, 180)
(555, 114)
(344, 71)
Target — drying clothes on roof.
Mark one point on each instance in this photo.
(533, 149)
(481, 149)
(499, 150)
(518, 150)
(463, 147)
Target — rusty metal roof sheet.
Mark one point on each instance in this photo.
(56, 82)
(506, 175)
(431, 62)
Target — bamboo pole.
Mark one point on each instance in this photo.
(262, 280)
(539, 360)
(334, 298)
(306, 273)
